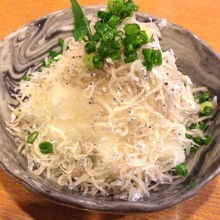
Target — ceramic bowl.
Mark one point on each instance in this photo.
(29, 45)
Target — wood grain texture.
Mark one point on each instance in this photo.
(201, 17)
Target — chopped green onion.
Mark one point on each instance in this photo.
(115, 45)
(114, 21)
(130, 4)
(157, 58)
(103, 50)
(131, 57)
(193, 149)
(61, 42)
(198, 140)
(115, 55)
(114, 6)
(49, 62)
(54, 53)
(131, 39)
(27, 78)
(191, 183)
(152, 56)
(108, 36)
(90, 47)
(32, 137)
(181, 170)
(136, 7)
(125, 13)
(202, 126)
(129, 48)
(143, 38)
(105, 16)
(204, 97)
(44, 64)
(152, 38)
(148, 65)
(131, 29)
(147, 54)
(208, 139)
(101, 28)
(192, 126)
(206, 108)
(88, 60)
(188, 136)
(101, 14)
(58, 59)
(96, 37)
(46, 147)
(116, 33)
(98, 61)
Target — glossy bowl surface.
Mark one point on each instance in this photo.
(29, 45)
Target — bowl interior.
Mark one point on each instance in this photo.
(29, 45)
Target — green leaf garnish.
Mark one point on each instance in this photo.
(81, 24)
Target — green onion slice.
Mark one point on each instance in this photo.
(188, 136)
(88, 60)
(148, 65)
(208, 139)
(61, 42)
(130, 57)
(114, 21)
(114, 6)
(192, 126)
(206, 108)
(98, 61)
(181, 170)
(193, 149)
(27, 78)
(115, 55)
(90, 47)
(131, 29)
(198, 140)
(54, 53)
(46, 147)
(32, 137)
(202, 126)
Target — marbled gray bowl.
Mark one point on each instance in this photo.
(28, 46)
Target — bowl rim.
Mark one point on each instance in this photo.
(119, 205)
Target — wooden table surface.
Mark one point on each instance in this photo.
(200, 16)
